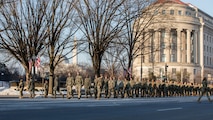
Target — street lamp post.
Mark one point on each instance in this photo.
(166, 66)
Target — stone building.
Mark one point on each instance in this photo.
(180, 36)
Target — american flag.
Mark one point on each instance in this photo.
(38, 62)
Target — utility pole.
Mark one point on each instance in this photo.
(166, 66)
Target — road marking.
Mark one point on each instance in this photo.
(103, 105)
(169, 109)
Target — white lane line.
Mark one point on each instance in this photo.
(103, 105)
(169, 109)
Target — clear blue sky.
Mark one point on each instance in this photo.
(204, 5)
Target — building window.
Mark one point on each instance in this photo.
(163, 45)
(207, 60)
(194, 71)
(186, 13)
(204, 48)
(161, 70)
(173, 46)
(173, 35)
(204, 37)
(204, 59)
(162, 36)
(163, 57)
(179, 12)
(173, 58)
(173, 71)
(163, 12)
(172, 12)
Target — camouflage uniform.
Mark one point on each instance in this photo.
(55, 88)
(105, 86)
(119, 88)
(46, 87)
(150, 89)
(111, 86)
(154, 87)
(158, 82)
(183, 89)
(137, 87)
(211, 89)
(144, 89)
(78, 84)
(69, 85)
(95, 86)
(126, 88)
(99, 86)
(132, 85)
(21, 88)
(87, 85)
(164, 89)
(204, 90)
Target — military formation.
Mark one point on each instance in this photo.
(120, 87)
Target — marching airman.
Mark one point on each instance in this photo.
(46, 87)
(204, 90)
(31, 88)
(78, 84)
(55, 88)
(111, 86)
(87, 85)
(99, 86)
(69, 85)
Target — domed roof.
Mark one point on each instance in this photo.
(170, 1)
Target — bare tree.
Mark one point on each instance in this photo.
(60, 43)
(111, 61)
(23, 30)
(139, 16)
(101, 22)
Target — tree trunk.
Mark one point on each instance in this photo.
(97, 64)
(129, 69)
(51, 71)
(51, 79)
(27, 77)
(27, 74)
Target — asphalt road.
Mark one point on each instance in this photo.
(176, 108)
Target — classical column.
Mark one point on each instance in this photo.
(183, 46)
(195, 47)
(179, 46)
(201, 48)
(146, 49)
(188, 46)
(167, 50)
(157, 46)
